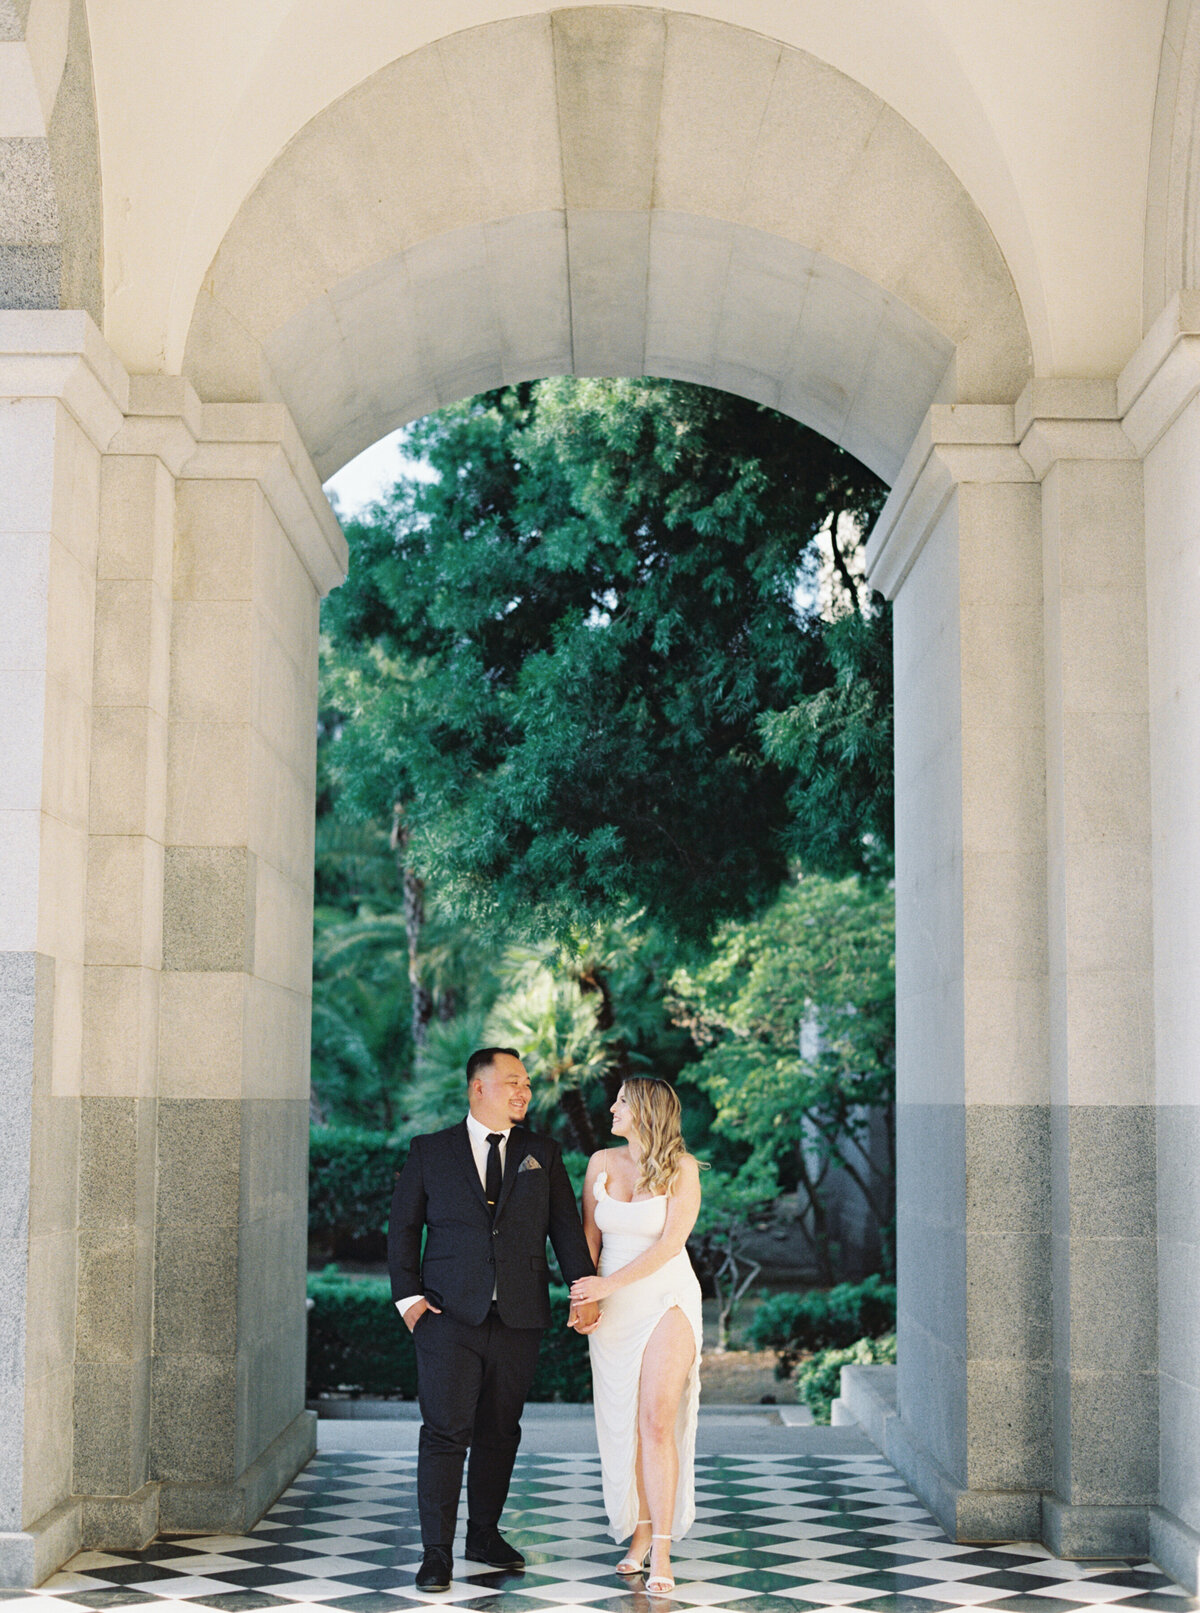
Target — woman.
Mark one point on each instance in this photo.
(640, 1203)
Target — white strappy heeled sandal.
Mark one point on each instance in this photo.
(659, 1584)
(635, 1565)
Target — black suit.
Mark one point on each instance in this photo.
(475, 1362)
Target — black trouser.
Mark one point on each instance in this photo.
(471, 1383)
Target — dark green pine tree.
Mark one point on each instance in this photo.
(579, 664)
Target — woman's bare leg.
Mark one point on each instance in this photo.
(666, 1362)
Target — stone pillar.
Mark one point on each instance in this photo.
(162, 563)
(256, 546)
(1159, 397)
(958, 550)
(62, 396)
(123, 959)
(1105, 1412)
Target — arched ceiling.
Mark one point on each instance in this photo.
(609, 190)
(1043, 112)
(657, 294)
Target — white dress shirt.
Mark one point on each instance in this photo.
(477, 1136)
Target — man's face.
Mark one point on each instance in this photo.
(500, 1093)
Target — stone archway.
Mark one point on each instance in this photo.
(811, 250)
(622, 226)
(796, 241)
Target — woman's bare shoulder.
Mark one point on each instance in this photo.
(607, 1159)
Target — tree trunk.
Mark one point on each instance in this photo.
(572, 1105)
(414, 921)
(620, 1066)
(819, 1239)
(722, 1314)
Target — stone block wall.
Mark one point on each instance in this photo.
(1172, 493)
(159, 667)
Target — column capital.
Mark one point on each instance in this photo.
(163, 420)
(59, 353)
(959, 442)
(1163, 376)
(259, 442)
(1069, 419)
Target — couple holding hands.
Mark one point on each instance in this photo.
(485, 1195)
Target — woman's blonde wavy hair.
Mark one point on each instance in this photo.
(654, 1110)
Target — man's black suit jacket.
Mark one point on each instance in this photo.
(467, 1255)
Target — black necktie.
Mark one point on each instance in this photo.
(493, 1175)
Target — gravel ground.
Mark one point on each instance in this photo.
(742, 1378)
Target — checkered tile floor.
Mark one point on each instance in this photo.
(775, 1534)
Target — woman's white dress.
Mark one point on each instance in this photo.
(630, 1315)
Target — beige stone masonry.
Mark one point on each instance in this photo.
(63, 398)
(133, 660)
(957, 548)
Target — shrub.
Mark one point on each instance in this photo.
(795, 1324)
(819, 1380)
(357, 1344)
(356, 1341)
(350, 1177)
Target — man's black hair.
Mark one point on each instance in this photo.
(483, 1056)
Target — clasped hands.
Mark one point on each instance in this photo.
(584, 1315)
(586, 1294)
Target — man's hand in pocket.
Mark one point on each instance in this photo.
(415, 1312)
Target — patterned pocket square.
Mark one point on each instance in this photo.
(528, 1164)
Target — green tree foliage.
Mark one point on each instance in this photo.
(819, 1381)
(796, 1013)
(836, 747)
(794, 1325)
(731, 1205)
(556, 654)
(361, 1023)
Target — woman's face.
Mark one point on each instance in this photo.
(620, 1114)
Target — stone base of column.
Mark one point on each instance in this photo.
(1081, 1531)
(120, 1522)
(1175, 1548)
(129, 1522)
(868, 1398)
(237, 1506)
(28, 1556)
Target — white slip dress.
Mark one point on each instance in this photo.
(630, 1316)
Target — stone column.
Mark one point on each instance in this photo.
(958, 550)
(123, 959)
(1105, 1411)
(256, 546)
(62, 396)
(162, 563)
(1159, 397)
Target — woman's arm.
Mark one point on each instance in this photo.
(590, 1230)
(683, 1207)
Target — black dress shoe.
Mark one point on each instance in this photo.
(488, 1545)
(436, 1570)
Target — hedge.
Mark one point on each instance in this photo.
(358, 1344)
(818, 1381)
(794, 1324)
(350, 1177)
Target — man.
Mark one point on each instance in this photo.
(487, 1193)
